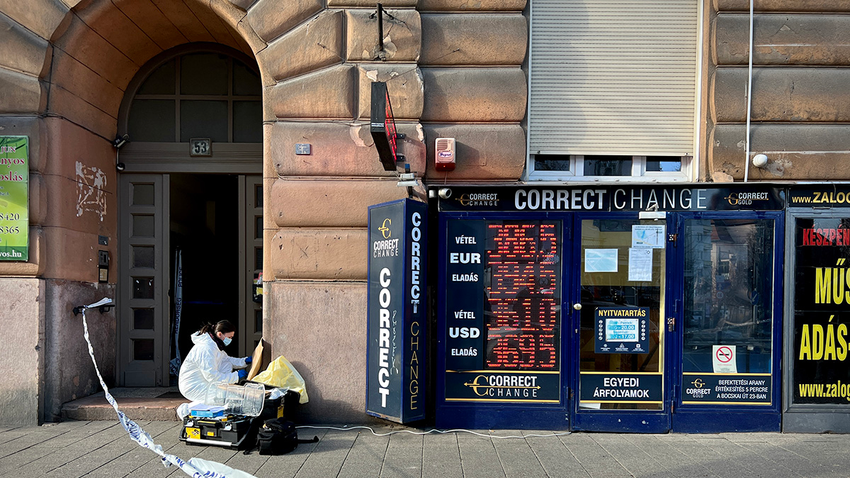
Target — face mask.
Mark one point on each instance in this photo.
(227, 341)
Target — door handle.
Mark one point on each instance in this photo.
(577, 306)
(671, 324)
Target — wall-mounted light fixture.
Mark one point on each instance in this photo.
(760, 160)
(119, 143)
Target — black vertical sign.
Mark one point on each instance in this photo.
(465, 283)
(395, 384)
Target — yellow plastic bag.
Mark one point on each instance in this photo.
(281, 374)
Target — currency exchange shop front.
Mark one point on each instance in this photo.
(640, 309)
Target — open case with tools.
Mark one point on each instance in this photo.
(231, 430)
(246, 407)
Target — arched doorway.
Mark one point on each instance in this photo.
(190, 207)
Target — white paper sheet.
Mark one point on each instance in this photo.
(600, 260)
(648, 236)
(640, 264)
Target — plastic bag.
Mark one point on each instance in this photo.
(280, 373)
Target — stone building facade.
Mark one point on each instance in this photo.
(453, 68)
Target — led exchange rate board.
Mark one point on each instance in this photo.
(503, 311)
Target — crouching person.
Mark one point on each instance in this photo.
(207, 366)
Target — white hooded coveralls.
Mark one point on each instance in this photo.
(205, 367)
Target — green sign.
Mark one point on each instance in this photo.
(14, 193)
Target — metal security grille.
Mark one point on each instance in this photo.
(613, 77)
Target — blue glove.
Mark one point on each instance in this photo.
(242, 374)
(248, 359)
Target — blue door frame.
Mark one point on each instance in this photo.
(678, 414)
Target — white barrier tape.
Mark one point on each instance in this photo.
(195, 467)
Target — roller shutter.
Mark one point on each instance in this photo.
(613, 77)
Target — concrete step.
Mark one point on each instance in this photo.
(138, 404)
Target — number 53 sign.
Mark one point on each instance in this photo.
(200, 147)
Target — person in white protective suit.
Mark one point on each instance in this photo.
(207, 365)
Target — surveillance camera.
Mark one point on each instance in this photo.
(120, 166)
(445, 193)
(760, 160)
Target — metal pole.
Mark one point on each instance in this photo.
(381, 26)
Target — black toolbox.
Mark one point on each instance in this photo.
(235, 431)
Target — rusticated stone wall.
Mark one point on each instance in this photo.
(452, 68)
(800, 101)
(63, 73)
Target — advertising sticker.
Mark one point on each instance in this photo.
(14, 198)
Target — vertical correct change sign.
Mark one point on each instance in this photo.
(396, 311)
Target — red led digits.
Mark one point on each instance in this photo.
(523, 297)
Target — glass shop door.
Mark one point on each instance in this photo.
(620, 313)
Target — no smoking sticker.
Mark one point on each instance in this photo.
(724, 359)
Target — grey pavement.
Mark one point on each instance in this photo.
(103, 449)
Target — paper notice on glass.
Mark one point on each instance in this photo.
(640, 264)
(600, 260)
(724, 359)
(648, 236)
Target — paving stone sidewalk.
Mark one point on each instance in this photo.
(103, 449)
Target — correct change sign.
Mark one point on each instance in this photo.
(397, 319)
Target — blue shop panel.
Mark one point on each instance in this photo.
(499, 332)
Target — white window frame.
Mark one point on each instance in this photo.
(638, 173)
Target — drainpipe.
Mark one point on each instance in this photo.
(749, 97)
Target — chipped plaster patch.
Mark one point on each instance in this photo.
(355, 131)
(91, 182)
(777, 167)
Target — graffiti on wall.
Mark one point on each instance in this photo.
(91, 197)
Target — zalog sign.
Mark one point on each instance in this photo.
(383, 126)
(14, 204)
(821, 318)
(397, 312)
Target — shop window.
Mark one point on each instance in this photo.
(821, 328)
(728, 295)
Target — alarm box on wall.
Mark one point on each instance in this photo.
(444, 155)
